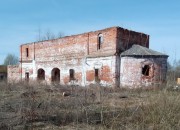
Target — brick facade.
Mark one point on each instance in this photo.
(83, 59)
(132, 71)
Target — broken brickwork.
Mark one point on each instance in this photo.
(143, 71)
(141, 66)
(14, 73)
(83, 59)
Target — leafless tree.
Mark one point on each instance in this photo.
(48, 35)
(11, 59)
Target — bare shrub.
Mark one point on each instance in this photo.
(41, 106)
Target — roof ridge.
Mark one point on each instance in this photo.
(136, 50)
(145, 49)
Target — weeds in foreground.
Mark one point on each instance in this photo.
(36, 106)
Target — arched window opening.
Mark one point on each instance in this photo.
(145, 70)
(41, 74)
(100, 41)
(55, 75)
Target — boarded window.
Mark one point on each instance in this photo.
(97, 75)
(27, 52)
(100, 41)
(27, 76)
(71, 74)
(145, 70)
(41, 74)
(55, 75)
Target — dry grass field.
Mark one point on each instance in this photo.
(43, 107)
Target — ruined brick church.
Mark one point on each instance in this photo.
(111, 57)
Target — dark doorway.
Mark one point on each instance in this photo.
(55, 75)
(71, 74)
(41, 74)
(1, 77)
(27, 76)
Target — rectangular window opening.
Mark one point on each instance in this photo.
(27, 52)
(71, 74)
(145, 70)
(97, 75)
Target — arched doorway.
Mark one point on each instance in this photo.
(41, 74)
(55, 75)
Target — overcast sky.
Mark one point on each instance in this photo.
(21, 20)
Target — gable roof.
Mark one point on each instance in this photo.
(137, 50)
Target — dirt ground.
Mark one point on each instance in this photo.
(36, 106)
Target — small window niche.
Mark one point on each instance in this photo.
(27, 52)
(146, 70)
(100, 41)
(71, 74)
(97, 79)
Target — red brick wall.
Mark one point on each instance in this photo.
(126, 38)
(72, 46)
(114, 39)
(23, 55)
(106, 74)
(70, 52)
(90, 75)
(109, 41)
